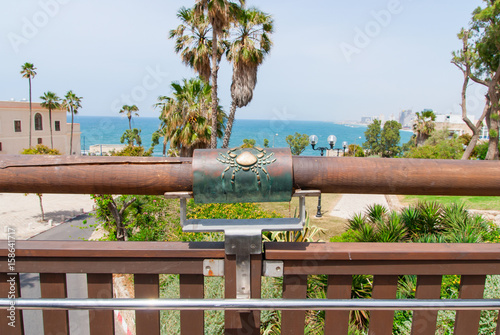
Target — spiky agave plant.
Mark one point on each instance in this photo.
(375, 213)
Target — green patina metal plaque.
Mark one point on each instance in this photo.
(242, 175)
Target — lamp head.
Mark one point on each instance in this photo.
(344, 144)
(331, 140)
(313, 139)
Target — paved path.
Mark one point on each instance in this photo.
(76, 283)
(351, 204)
(23, 211)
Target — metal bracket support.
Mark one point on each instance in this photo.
(272, 268)
(243, 237)
(213, 267)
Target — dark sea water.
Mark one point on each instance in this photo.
(108, 130)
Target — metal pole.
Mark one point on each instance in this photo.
(318, 213)
(253, 304)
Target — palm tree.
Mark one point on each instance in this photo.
(192, 40)
(247, 52)
(71, 103)
(424, 125)
(28, 71)
(129, 110)
(220, 13)
(185, 116)
(50, 101)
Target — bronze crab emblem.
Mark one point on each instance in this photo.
(252, 160)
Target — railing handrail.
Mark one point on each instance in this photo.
(252, 304)
(154, 175)
(114, 249)
(273, 250)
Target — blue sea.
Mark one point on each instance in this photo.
(108, 130)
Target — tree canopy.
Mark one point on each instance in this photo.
(373, 138)
(297, 143)
(389, 139)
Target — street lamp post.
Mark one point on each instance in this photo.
(344, 145)
(274, 137)
(313, 139)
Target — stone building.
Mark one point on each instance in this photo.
(15, 124)
(453, 123)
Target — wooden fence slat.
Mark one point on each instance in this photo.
(294, 287)
(384, 287)
(16, 319)
(192, 287)
(100, 286)
(339, 287)
(237, 322)
(424, 322)
(147, 287)
(53, 285)
(471, 287)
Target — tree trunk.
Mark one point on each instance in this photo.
(470, 148)
(41, 205)
(492, 117)
(165, 148)
(121, 231)
(31, 118)
(492, 153)
(215, 102)
(229, 126)
(475, 129)
(50, 125)
(71, 138)
(129, 122)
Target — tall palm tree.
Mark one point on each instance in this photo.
(424, 126)
(193, 41)
(71, 103)
(185, 116)
(51, 101)
(247, 51)
(130, 110)
(220, 13)
(28, 71)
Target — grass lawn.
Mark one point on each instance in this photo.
(471, 202)
(332, 225)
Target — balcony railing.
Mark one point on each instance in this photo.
(146, 261)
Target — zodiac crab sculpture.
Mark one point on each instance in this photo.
(252, 160)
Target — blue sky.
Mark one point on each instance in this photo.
(331, 60)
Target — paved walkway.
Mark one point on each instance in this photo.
(351, 204)
(23, 211)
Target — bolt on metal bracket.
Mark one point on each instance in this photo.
(213, 267)
(243, 237)
(272, 268)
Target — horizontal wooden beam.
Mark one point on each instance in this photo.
(397, 176)
(115, 249)
(154, 175)
(382, 251)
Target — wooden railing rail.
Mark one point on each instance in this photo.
(154, 175)
(100, 260)
(386, 262)
(339, 261)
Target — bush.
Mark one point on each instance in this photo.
(426, 222)
(439, 146)
(40, 149)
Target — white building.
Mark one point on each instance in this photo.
(453, 123)
(15, 124)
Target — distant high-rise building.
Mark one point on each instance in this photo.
(366, 119)
(406, 118)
